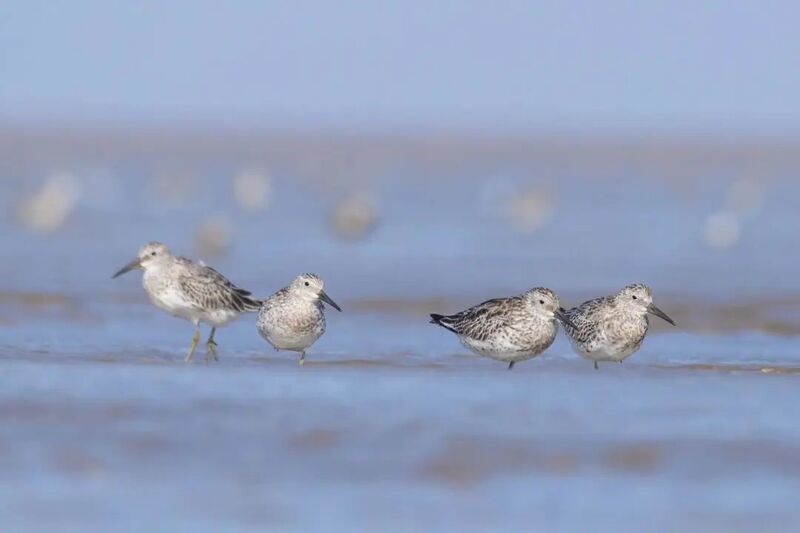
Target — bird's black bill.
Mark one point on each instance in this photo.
(652, 309)
(563, 318)
(127, 268)
(327, 299)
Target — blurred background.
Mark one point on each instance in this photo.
(420, 157)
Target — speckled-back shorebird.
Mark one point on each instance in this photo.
(293, 318)
(611, 328)
(190, 290)
(508, 329)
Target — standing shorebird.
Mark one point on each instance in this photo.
(612, 328)
(190, 290)
(508, 329)
(293, 318)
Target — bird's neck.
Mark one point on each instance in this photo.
(156, 268)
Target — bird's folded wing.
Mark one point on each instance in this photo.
(211, 290)
(483, 320)
(586, 316)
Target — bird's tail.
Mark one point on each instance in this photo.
(444, 321)
(246, 302)
(251, 305)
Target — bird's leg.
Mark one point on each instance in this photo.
(211, 347)
(511, 365)
(195, 342)
(302, 358)
(596, 366)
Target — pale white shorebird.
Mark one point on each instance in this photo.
(190, 290)
(293, 318)
(612, 328)
(508, 329)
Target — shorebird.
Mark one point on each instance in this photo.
(190, 290)
(508, 329)
(612, 328)
(293, 318)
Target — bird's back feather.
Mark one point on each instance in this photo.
(211, 290)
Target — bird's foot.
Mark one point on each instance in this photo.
(193, 347)
(211, 351)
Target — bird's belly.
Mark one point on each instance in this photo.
(623, 351)
(284, 340)
(173, 303)
(285, 331)
(606, 351)
(218, 317)
(502, 349)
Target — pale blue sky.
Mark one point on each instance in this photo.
(716, 65)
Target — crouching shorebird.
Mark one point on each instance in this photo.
(508, 329)
(190, 290)
(612, 328)
(293, 318)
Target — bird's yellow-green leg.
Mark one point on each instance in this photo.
(302, 358)
(195, 342)
(211, 347)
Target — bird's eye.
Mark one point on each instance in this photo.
(633, 296)
(541, 302)
(153, 253)
(307, 284)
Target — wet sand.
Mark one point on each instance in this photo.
(390, 422)
(459, 443)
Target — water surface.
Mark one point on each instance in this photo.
(391, 425)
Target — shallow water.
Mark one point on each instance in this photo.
(391, 425)
(397, 439)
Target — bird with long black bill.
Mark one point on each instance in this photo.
(508, 329)
(293, 318)
(190, 290)
(612, 328)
